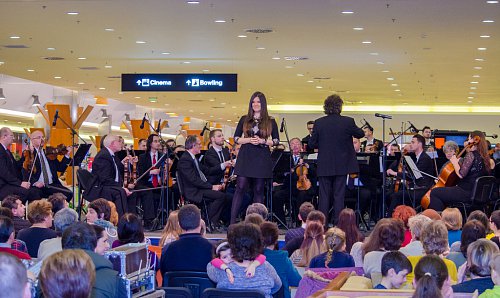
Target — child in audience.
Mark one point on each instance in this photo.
(431, 278)
(452, 218)
(172, 229)
(224, 257)
(395, 267)
(495, 276)
(335, 257)
(313, 245)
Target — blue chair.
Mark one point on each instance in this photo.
(196, 282)
(177, 292)
(223, 293)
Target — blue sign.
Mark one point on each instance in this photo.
(180, 82)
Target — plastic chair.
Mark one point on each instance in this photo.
(223, 293)
(197, 282)
(84, 180)
(481, 194)
(204, 208)
(157, 250)
(177, 292)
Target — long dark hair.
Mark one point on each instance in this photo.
(482, 148)
(430, 275)
(265, 126)
(347, 223)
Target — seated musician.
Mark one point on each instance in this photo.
(421, 185)
(393, 149)
(194, 184)
(305, 140)
(43, 178)
(108, 170)
(370, 144)
(216, 158)
(10, 170)
(476, 163)
(427, 134)
(353, 183)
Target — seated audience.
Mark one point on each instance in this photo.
(245, 241)
(483, 218)
(7, 237)
(14, 281)
(495, 276)
(431, 213)
(191, 252)
(16, 243)
(257, 208)
(403, 213)
(40, 216)
(304, 210)
(395, 267)
(254, 218)
(98, 209)
(107, 282)
(431, 278)
(477, 268)
(15, 204)
(452, 218)
(295, 243)
(416, 224)
(103, 244)
(172, 229)
(312, 245)
(335, 257)
(471, 231)
(278, 258)
(58, 201)
(68, 273)
(348, 223)
(495, 226)
(62, 220)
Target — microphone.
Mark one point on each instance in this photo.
(203, 130)
(56, 115)
(143, 120)
(159, 126)
(383, 116)
(282, 128)
(413, 128)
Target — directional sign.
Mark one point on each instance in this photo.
(180, 82)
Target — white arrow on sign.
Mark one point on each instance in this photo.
(139, 82)
(188, 82)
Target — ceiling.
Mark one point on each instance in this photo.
(422, 52)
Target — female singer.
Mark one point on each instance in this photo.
(476, 163)
(256, 132)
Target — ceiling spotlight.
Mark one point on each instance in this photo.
(1, 94)
(488, 21)
(36, 102)
(104, 114)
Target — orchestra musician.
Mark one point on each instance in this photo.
(476, 163)
(142, 144)
(44, 180)
(10, 170)
(332, 136)
(256, 132)
(216, 158)
(424, 164)
(427, 133)
(305, 140)
(370, 144)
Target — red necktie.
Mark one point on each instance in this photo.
(155, 177)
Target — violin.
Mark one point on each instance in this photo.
(227, 171)
(397, 184)
(130, 174)
(448, 176)
(303, 183)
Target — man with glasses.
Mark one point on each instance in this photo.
(10, 170)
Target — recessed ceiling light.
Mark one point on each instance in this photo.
(193, 2)
(385, 71)
(319, 87)
(405, 103)
(390, 79)
(102, 88)
(220, 21)
(472, 93)
(233, 107)
(228, 120)
(31, 70)
(211, 116)
(476, 76)
(72, 13)
(51, 49)
(397, 90)
(15, 37)
(481, 49)
(300, 75)
(474, 82)
(394, 85)
(485, 36)
(488, 21)
(374, 54)
(366, 42)
(310, 81)
(186, 62)
(261, 48)
(108, 66)
(211, 99)
(479, 59)
(478, 67)
(140, 42)
(167, 104)
(81, 83)
(358, 28)
(276, 58)
(470, 97)
(242, 36)
(347, 12)
(205, 70)
(473, 88)
(57, 77)
(223, 103)
(137, 97)
(109, 29)
(165, 53)
(492, 1)
(82, 58)
(380, 62)
(288, 66)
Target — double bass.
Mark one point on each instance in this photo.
(447, 177)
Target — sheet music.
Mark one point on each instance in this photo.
(413, 167)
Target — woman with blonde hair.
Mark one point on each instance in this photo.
(335, 257)
(312, 245)
(172, 229)
(452, 218)
(113, 218)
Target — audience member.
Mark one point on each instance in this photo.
(107, 282)
(403, 213)
(348, 223)
(312, 245)
(103, 244)
(245, 241)
(495, 226)
(471, 231)
(62, 220)
(6, 212)
(68, 273)
(16, 243)
(258, 208)
(191, 252)
(58, 201)
(452, 218)
(14, 278)
(431, 278)
(98, 209)
(295, 243)
(15, 204)
(40, 216)
(415, 248)
(495, 276)
(113, 217)
(279, 259)
(395, 267)
(432, 214)
(7, 237)
(304, 210)
(335, 257)
(172, 229)
(481, 216)
(479, 255)
(254, 218)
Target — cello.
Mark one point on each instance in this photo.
(447, 177)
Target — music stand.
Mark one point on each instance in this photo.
(81, 153)
(281, 164)
(362, 160)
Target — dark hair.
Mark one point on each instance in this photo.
(388, 234)
(310, 122)
(482, 148)
(304, 210)
(254, 218)
(316, 215)
(420, 139)
(395, 260)
(347, 223)
(425, 127)
(189, 217)
(213, 131)
(270, 233)
(369, 127)
(10, 201)
(265, 125)
(4, 211)
(481, 216)
(190, 142)
(495, 218)
(333, 105)
(471, 231)
(79, 235)
(430, 275)
(57, 200)
(98, 231)
(101, 206)
(6, 228)
(149, 141)
(130, 229)
(245, 241)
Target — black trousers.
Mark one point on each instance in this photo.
(149, 199)
(14, 190)
(331, 187)
(118, 196)
(36, 193)
(216, 201)
(397, 198)
(442, 196)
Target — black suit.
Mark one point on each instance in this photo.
(305, 141)
(195, 189)
(103, 168)
(10, 176)
(148, 197)
(212, 162)
(54, 167)
(332, 136)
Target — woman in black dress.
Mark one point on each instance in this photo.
(476, 163)
(256, 132)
